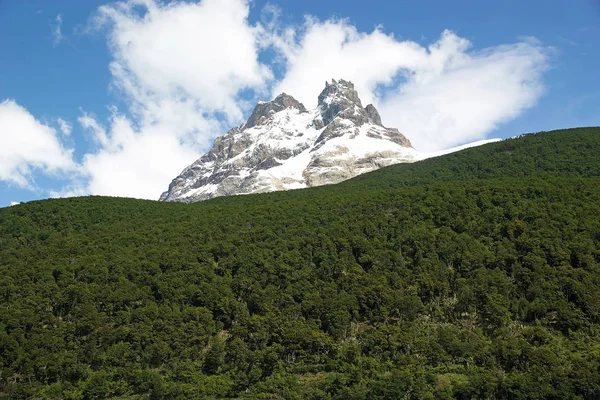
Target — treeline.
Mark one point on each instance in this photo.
(462, 287)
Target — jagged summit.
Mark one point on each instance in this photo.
(283, 146)
(340, 99)
(263, 110)
(339, 92)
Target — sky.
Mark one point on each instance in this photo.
(116, 98)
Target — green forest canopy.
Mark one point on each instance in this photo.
(472, 275)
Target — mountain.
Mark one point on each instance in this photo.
(285, 146)
(470, 275)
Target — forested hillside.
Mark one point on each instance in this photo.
(472, 275)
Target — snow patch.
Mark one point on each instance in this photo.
(423, 156)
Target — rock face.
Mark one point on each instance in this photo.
(264, 110)
(285, 146)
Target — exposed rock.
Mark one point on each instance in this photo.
(284, 146)
(267, 163)
(374, 117)
(263, 111)
(341, 100)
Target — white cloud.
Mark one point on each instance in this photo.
(133, 163)
(64, 126)
(74, 190)
(56, 30)
(27, 145)
(203, 51)
(14, 203)
(439, 96)
(181, 67)
(335, 49)
(92, 126)
(469, 98)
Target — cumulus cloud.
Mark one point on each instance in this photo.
(468, 98)
(320, 51)
(14, 203)
(440, 96)
(130, 162)
(56, 30)
(27, 145)
(188, 71)
(183, 84)
(202, 51)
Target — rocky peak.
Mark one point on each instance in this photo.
(339, 92)
(340, 99)
(265, 109)
(373, 114)
(283, 146)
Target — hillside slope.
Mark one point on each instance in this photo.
(567, 153)
(472, 275)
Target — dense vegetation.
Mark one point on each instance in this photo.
(473, 275)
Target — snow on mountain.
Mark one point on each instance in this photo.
(284, 146)
(423, 156)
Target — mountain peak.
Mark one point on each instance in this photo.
(340, 99)
(284, 146)
(264, 109)
(339, 91)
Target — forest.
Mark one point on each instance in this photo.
(475, 275)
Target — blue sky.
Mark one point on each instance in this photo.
(444, 73)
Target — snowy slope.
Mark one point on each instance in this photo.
(423, 156)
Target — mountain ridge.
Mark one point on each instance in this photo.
(284, 146)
